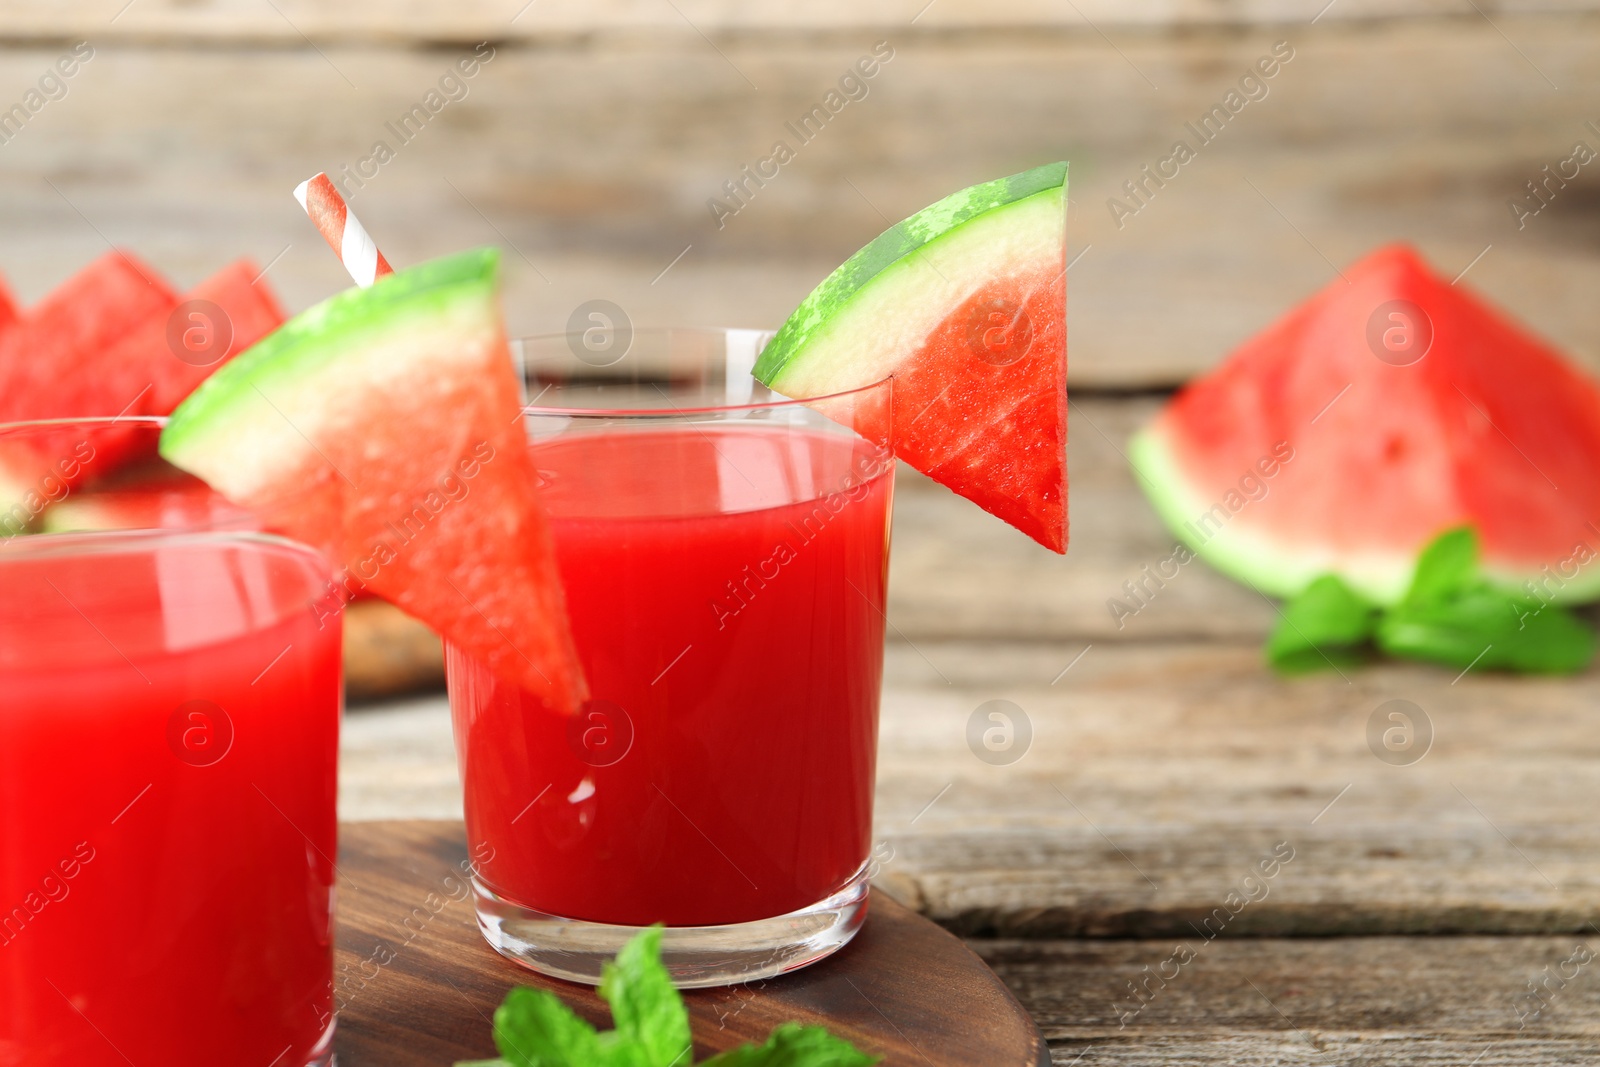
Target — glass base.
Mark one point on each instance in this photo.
(695, 956)
(322, 1055)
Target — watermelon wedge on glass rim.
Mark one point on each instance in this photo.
(384, 426)
(1387, 408)
(964, 304)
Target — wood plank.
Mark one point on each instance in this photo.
(1160, 775)
(397, 761)
(1355, 1001)
(957, 573)
(416, 984)
(596, 163)
(291, 21)
(387, 652)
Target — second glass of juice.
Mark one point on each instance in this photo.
(724, 553)
(168, 742)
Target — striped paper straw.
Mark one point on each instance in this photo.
(342, 230)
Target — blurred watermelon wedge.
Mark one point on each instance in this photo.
(1385, 409)
(51, 367)
(216, 320)
(113, 342)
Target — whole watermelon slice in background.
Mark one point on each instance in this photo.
(112, 341)
(1386, 409)
(172, 354)
(49, 369)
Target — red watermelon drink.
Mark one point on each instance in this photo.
(725, 568)
(664, 616)
(167, 775)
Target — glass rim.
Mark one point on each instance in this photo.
(779, 401)
(117, 542)
(42, 543)
(96, 421)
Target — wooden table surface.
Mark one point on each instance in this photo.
(1410, 906)
(416, 984)
(1439, 912)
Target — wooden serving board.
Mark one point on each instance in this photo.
(417, 985)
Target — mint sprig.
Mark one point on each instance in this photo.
(1328, 624)
(1451, 614)
(793, 1045)
(534, 1028)
(646, 1006)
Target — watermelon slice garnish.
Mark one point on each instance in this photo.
(384, 425)
(1480, 424)
(964, 304)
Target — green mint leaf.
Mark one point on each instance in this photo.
(1326, 624)
(1551, 640)
(1489, 629)
(648, 1011)
(793, 1045)
(533, 1028)
(1448, 565)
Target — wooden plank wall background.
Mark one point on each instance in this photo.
(593, 139)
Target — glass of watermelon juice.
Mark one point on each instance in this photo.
(168, 737)
(724, 553)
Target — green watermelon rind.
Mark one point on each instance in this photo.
(76, 515)
(874, 270)
(1246, 553)
(209, 434)
(1242, 552)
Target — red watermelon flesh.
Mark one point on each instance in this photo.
(9, 312)
(1483, 424)
(164, 358)
(1008, 457)
(49, 361)
(384, 425)
(963, 305)
(49, 367)
(150, 355)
